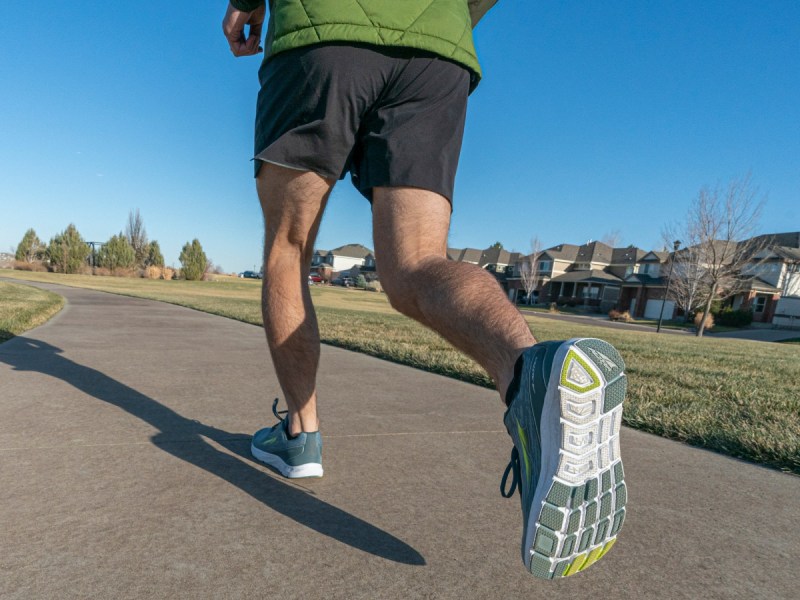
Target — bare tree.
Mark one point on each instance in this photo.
(529, 268)
(688, 289)
(720, 247)
(137, 237)
(613, 238)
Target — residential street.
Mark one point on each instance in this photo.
(755, 334)
(125, 473)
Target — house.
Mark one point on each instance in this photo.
(588, 281)
(549, 263)
(368, 269)
(772, 274)
(497, 261)
(467, 255)
(645, 285)
(598, 276)
(343, 258)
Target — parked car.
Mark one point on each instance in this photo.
(249, 275)
(315, 278)
(344, 281)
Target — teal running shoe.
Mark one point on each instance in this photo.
(294, 457)
(564, 416)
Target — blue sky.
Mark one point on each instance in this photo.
(591, 117)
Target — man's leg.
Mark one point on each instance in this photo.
(566, 460)
(293, 202)
(461, 302)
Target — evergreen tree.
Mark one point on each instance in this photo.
(68, 251)
(30, 248)
(154, 256)
(116, 253)
(193, 261)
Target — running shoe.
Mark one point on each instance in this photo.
(293, 457)
(564, 417)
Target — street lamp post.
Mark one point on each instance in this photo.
(675, 245)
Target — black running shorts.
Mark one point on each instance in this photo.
(390, 116)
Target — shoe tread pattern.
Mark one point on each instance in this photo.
(584, 508)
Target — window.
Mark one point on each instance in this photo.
(649, 269)
(761, 302)
(545, 265)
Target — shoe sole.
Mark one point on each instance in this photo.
(289, 471)
(581, 496)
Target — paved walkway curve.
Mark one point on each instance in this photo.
(124, 473)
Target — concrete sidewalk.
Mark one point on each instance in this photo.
(759, 335)
(125, 473)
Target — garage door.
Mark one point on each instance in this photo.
(653, 309)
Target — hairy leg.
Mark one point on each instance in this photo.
(293, 202)
(461, 302)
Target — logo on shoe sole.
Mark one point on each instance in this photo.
(603, 359)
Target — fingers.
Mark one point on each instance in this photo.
(233, 27)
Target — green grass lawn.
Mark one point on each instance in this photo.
(737, 397)
(23, 307)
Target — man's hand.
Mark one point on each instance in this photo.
(233, 28)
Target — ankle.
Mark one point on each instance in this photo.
(302, 423)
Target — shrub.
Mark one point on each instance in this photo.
(116, 254)
(68, 251)
(374, 286)
(194, 262)
(154, 256)
(709, 320)
(125, 272)
(30, 248)
(361, 282)
(553, 308)
(733, 318)
(616, 315)
(35, 266)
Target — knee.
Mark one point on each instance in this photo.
(286, 248)
(399, 288)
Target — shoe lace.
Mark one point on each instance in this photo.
(513, 469)
(277, 412)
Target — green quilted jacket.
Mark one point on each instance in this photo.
(440, 26)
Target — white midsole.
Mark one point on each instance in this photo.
(550, 430)
(306, 470)
(553, 428)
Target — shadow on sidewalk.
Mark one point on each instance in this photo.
(28, 354)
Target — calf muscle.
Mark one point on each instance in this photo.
(461, 302)
(292, 203)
